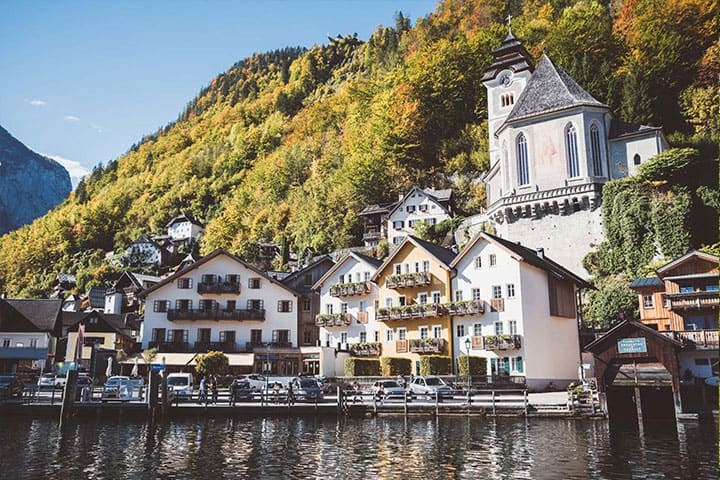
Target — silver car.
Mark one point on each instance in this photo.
(390, 389)
(430, 386)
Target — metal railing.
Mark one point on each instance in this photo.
(215, 314)
(218, 287)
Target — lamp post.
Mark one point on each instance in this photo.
(467, 371)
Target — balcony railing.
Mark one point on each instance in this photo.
(427, 345)
(24, 353)
(497, 304)
(469, 307)
(696, 339)
(171, 347)
(218, 287)
(370, 236)
(227, 347)
(215, 314)
(333, 319)
(348, 289)
(501, 342)
(410, 311)
(365, 349)
(362, 317)
(692, 300)
(408, 280)
(266, 347)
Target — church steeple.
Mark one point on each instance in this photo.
(510, 55)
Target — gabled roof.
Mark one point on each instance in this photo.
(549, 89)
(440, 196)
(510, 55)
(443, 255)
(96, 296)
(373, 262)
(662, 271)
(206, 259)
(107, 322)
(620, 129)
(526, 255)
(29, 315)
(318, 261)
(623, 328)
(184, 218)
(647, 282)
(377, 208)
(135, 279)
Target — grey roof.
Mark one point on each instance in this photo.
(96, 295)
(619, 129)
(377, 208)
(443, 254)
(550, 89)
(442, 195)
(29, 315)
(140, 277)
(316, 263)
(184, 218)
(375, 262)
(647, 282)
(510, 55)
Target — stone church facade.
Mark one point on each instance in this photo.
(552, 148)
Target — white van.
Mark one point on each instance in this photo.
(181, 384)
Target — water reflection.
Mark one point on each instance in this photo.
(392, 448)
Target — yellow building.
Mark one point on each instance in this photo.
(414, 293)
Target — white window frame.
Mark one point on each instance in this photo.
(510, 288)
(512, 327)
(499, 327)
(458, 295)
(478, 262)
(422, 298)
(476, 294)
(437, 331)
(402, 333)
(389, 335)
(649, 301)
(436, 297)
(460, 329)
(423, 332)
(477, 330)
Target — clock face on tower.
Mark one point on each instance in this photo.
(505, 79)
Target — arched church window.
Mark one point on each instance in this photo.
(595, 150)
(636, 159)
(522, 160)
(572, 151)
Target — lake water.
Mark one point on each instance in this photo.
(385, 447)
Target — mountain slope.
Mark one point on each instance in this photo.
(30, 184)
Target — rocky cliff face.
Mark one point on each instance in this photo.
(30, 184)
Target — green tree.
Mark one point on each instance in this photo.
(211, 363)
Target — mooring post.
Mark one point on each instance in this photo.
(165, 397)
(437, 401)
(68, 394)
(339, 399)
(405, 398)
(525, 401)
(493, 401)
(638, 408)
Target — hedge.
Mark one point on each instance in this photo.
(393, 366)
(478, 365)
(435, 365)
(362, 367)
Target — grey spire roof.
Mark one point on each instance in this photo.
(511, 55)
(550, 89)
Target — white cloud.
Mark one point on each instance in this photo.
(37, 103)
(71, 118)
(74, 168)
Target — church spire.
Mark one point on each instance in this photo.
(510, 55)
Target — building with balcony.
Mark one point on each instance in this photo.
(375, 223)
(28, 333)
(414, 301)
(184, 228)
(122, 297)
(681, 301)
(222, 303)
(418, 206)
(104, 335)
(526, 307)
(348, 299)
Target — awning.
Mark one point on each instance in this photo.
(640, 374)
(183, 359)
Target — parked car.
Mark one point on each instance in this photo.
(256, 381)
(10, 387)
(83, 381)
(275, 391)
(307, 389)
(117, 388)
(430, 386)
(181, 385)
(390, 389)
(47, 380)
(242, 390)
(60, 380)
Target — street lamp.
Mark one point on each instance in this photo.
(467, 350)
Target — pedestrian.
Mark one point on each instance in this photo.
(276, 392)
(357, 394)
(380, 394)
(290, 394)
(231, 399)
(214, 388)
(202, 393)
(401, 381)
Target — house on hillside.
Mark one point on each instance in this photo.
(146, 251)
(418, 206)
(184, 228)
(28, 334)
(122, 297)
(375, 223)
(552, 147)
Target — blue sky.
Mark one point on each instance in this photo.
(81, 81)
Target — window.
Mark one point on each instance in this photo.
(232, 278)
(476, 294)
(430, 221)
(254, 283)
(33, 343)
(367, 276)
(517, 364)
(256, 336)
(410, 208)
(209, 278)
(397, 240)
(636, 159)
(307, 304)
(363, 337)
(595, 150)
(254, 304)
(436, 297)
(307, 337)
(423, 208)
(458, 296)
(281, 336)
(184, 283)
(362, 307)
(511, 290)
(496, 291)
(357, 276)
(572, 151)
(203, 335)
(522, 160)
(307, 279)
(388, 302)
(398, 224)
(397, 268)
(648, 301)
(493, 260)
(417, 267)
(423, 332)
(343, 307)
(702, 361)
(376, 335)
(499, 328)
(422, 298)
(160, 306)
(711, 288)
(512, 324)
(437, 331)
(389, 335)
(460, 331)
(207, 305)
(343, 337)
(341, 279)
(426, 265)
(158, 335)
(402, 333)
(478, 262)
(407, 268)
(183, 304)
(230, 305)
(328, 308)
(477, 330)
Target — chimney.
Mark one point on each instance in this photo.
(400, 196)
(540, 252)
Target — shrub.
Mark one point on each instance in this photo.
(472, 365)
(362, 367)
(435, 365)
(393, 366)
(211, 363)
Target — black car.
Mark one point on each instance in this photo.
(10, 387)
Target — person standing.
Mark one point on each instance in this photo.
(290, 394)
(202, 393)
(231, 399)
(214, 389)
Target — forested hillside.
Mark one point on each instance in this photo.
(290, 145)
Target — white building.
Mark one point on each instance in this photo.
(418, 205)
(146, 251)
(28, 334)
(529, 324)
(552, 147)
(222, 303)
(347, 311)
(184, 227)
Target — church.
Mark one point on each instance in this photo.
(552, 147)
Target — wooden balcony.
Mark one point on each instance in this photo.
(410, 311)
(695, 339)
(362, 317)
(477, 343)
(692, 301)
(371, 236)
(408, 280)
(365, 349)
(401, 346)
(215, 314)
(218, 287)
(227, 347)
(333, 320)
(349, 289)
(501, 342)
(497, 304)
(171, 347)
(470, 307)
(427, 345)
